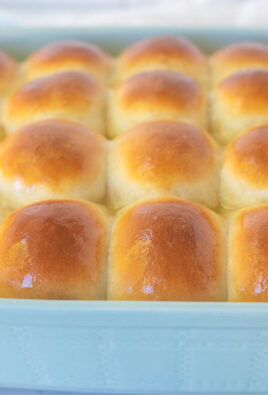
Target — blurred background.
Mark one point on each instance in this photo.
(134, 12)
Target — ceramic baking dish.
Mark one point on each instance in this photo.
(127, 347)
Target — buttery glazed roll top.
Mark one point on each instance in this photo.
(69, 55)
(54, 250)
(153, 96)
(244, 172)
(167, 249)
(50, 159)
(162, 53)
(70, 95)
(163, 156)
(237, 57)
(248, 256)
(240, 102)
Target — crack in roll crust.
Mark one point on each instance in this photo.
(244, 171)
(153, 96)
(160, 157)
(52, 159)
(70, 95)
(237, 57)
(240, 102)
(248, 256)
(167, 249)
(69, 55)
(163, 53)
(54, 250)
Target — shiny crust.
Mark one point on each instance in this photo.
(165, 152)
(247, 157)
(167, 249)
(248, 257)
(57, 154)
(245, 92)
(166, 53)
(54, 250)
(238, 57)
(71, 95)
(156, 95)
(69, 55)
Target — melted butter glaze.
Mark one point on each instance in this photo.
(51, 153)
(249, 256)
(167, 250)
(52, 249)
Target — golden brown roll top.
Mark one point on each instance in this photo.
(163, 157)
(163, 53)
(244, 178)
(237, 57)
(8, 73)
(154, 96)
(52, 159)
(167, 249)
(248, 256)
(69, 55)
(54, 250)
(70, 95)
(240, 102)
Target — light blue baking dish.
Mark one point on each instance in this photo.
(132, 347)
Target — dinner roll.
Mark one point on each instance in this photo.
(52, 159)
(70, 95)
(248, 256)
(163, 53)
(167, 249)
(9, 73)
(163, 157)
(154, 96)
(240, 102)
(54, 250)
(244, 178)
(237, 57)
(69, 55)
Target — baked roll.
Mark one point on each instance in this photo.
(240, 102)
(248, 256)
(9, 74)
(167, 249)
(69, 55)
(54, 250)
(52, 159)
(163, 157)
(154, 96)
(70, 95)
(162, 53)
(244, 176)
(237, 57)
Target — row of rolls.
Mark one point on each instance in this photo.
(140, 177)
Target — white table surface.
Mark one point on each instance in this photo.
(137, 12)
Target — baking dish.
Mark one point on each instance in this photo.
(136, 347)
